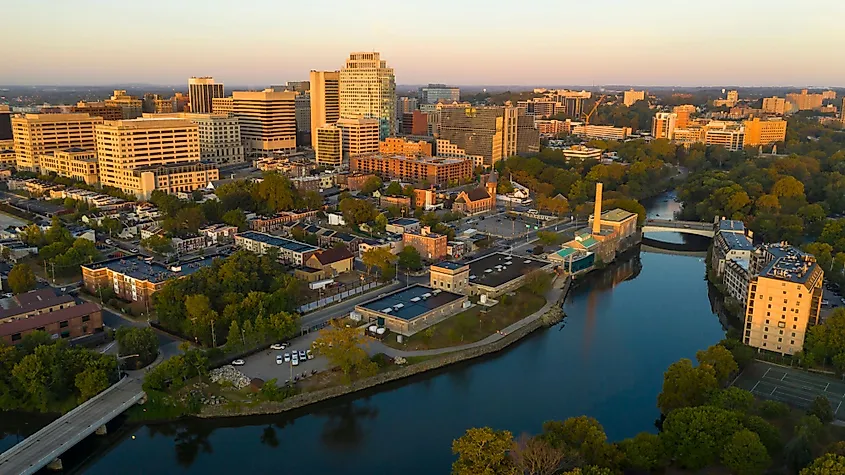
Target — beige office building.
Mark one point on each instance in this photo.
(268, 120)
(631, 97)
(663, 125)
(201, 93)
(764, 132)
(728, 135)
(804, 101)
(489, 131)
(131, 106)
(367, 89)
(76, 163)
(774, 105)
(328, 144)
(360, 136)
(142, 155)
(222, 105)
(220, 136)
(39, 134)
(325, 99)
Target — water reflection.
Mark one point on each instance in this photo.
(344, 428)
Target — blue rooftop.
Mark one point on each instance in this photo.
(288, 244)
(788, 263)
(449, 265)
(138, 268)
(404, 221)
(411, 302)
(737, 242)
(731, 226)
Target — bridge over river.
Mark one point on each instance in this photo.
(684, 227)
(44, 447)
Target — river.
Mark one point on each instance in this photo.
(624, 326)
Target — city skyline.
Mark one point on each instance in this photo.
(255, 44)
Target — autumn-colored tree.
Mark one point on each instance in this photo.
(345, 348)
(483, 451)
(535, 456)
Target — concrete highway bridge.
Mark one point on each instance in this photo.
(44, 447)
(684, 227)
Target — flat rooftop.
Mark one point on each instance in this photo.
(499, 268)
(617, 215)
(789, 264)
(288, 244)
(138, 268)
(449, 265)
(732, 225)
(737, 242)
(404, 221)
(411, 302)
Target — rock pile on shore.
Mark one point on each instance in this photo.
(230, 374)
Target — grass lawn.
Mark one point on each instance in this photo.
(474, 324)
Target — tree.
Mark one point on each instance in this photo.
(538, 282)
(344, 348)
(685, 385)
(769, 434)
(733, 399)
(483, 451)
(827, 464)
(821, 409)
(137, 341)
(644, 452)
(200, 313)
(158, 244)
(720, 359)
(535, 456)
(409, 258)
(583, 434)
(393, 189)
(21, 279)
(235, 217)
(697, 435)
(90, 382)
(312, 200)
(549, 238)
(379, 257)
(356, 212)
(380, 223)
(798, 453)
(745, 454)
(773, 409)
(372, 184)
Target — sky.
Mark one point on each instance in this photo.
(461, 42)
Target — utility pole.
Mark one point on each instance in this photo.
(213, 335)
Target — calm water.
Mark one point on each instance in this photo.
(624, 327)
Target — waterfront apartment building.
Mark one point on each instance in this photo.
(405, 147)
(201, 93)
(631, 97)
(39, 134)
(268, 120)
(784, 298)
(803, 101)
(360, 136)
(774, 105)
(219, 134)
(367, 89)
(434, 93)
(601, 132)
(764, 132)
(663, 125)
(142, 155)
(325, 99)
(77, 163)
(131, 106)
(488, 131)
(434, 170)
(328, 145)
(98, 109)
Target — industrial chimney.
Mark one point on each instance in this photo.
(597, 211)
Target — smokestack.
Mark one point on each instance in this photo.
(597, 211)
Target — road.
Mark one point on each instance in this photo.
(310, 321)
(41, 448)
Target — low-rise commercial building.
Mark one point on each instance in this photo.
(412, 309)
(450, 276)
(403, 225)
(580, 152)
(431, 246)
(76, 163)
(499, 273)
(624, 223)
(42, 310)
(289, 251)
(602, 132)
(136, 279)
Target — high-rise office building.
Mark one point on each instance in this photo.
(683, 113)
(220, 136)
(301, 87)
(201, 92)
(360, 136)
(368, 90)
(774, 105)
(143, 155)
(99, 109)
(784, 298)
(325, 100)
(405, 105)
(527, 135)
(764, 132)
(842, 111)
(303, 119)
(489, 131)
(268, 120)
(663, 125)
(805, 101)
(5, 123)
(631, 97)
(415, 123)
(222, 105)
(434, 93)
(40, 134)
(131, 106)
(328, 144)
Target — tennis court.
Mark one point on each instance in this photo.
(795, 387)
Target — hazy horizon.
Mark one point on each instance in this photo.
(651, 43)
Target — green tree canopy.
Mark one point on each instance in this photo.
(21, 279)
(697, 435)
(744, 454)
(685, 385)
(483, 451)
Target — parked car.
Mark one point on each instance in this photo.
(109, 242)
(277, 346)
(302, 355)
(295, 362)
(278, 359)
(134, 249)
(310, 354)
(287, 357)
(238, 362)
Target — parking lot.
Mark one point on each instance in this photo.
(792, 386)
(834, 301)
(501, 225)
(263, 365)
